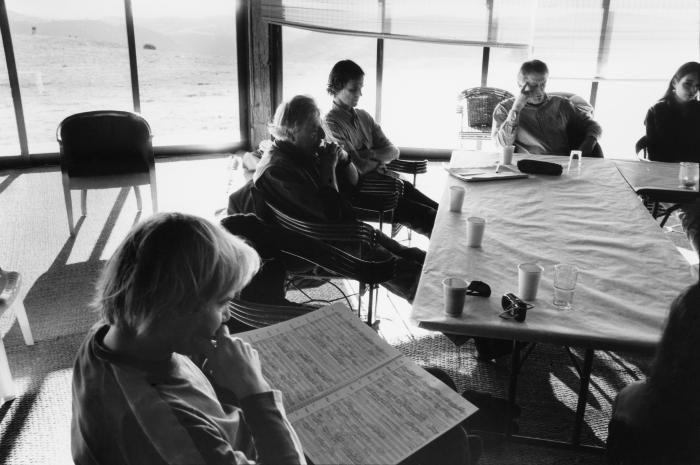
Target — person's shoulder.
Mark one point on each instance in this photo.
(504, 105)
(661, 105)
(364, 115)
(507, 103)
(334, 114)
(559, 102)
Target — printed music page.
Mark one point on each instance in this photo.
(351, 397)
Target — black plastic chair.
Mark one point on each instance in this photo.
(640, 148)
(105, 149)
(410, 167)
(377, 199)
(349, 252)
(258, 315)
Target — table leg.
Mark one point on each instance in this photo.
(513, 386)
(582, 396)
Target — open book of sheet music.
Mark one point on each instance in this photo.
(351, 397)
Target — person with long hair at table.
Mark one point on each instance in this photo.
(657, 420)
(673, 134)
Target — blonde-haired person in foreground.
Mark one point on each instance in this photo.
(137, 396)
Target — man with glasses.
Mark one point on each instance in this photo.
(538, 123)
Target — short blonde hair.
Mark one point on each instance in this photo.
(171, 262)
(291, 115)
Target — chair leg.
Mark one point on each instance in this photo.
(23, 321)
(371, 304)
(154, 192)
(69, 203)
(7, 385)
(137, 192)
(359, 299)
(83, 201)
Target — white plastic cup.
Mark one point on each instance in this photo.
(574, 154)
(688, 174)
(475, 231)
(456, 198)
(507, 155)
(454, 289)
(529, 275)
(565, 277)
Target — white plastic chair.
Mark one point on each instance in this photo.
(10, 282)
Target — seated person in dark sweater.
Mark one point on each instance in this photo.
(673, 134)
(536, 122)
(673, 123)
(137, 396)
(657, 421)
(309, 178)
(370, 150)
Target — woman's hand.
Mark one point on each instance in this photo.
(235, 365)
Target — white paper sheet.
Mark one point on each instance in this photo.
(351, 397)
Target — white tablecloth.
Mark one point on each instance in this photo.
(628, 271)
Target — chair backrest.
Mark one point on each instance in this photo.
(579, 103)
(258, 315)
(478, 103)
(105, 142)
(640, 148)
(345, 248)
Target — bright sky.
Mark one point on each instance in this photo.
(91, 9)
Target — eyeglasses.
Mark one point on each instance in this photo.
(479, 289)
(514, 308)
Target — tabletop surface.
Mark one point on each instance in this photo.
(629, 272)
(656, 178)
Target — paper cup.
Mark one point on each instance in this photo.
(507, 155)
(456, 198)
(454, 289)
(529, 280)
(475, 231)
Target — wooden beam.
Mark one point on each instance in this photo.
(133, 66)
(380, 80)
(14, 80)
(243, 70)
(260, 69)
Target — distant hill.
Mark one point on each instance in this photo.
(208, 36)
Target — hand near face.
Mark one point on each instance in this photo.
(235, 365)
(522, 98)
(332, 153)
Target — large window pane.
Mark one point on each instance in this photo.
(421, 84)
(309, 56)
(621, 109)
(504, 64)
(9, 142)
(651, 39)
(566, 37)
(71, 57)
(187, 64)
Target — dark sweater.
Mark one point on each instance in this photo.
(673, 131)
